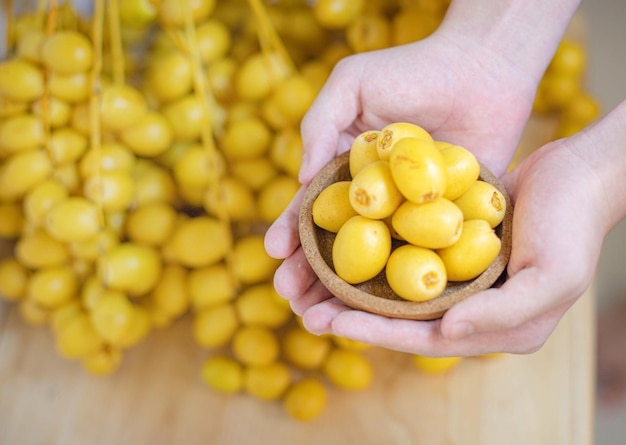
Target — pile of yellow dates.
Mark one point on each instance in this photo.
(424, 193)
(144, 149)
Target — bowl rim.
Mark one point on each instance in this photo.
(355, 296)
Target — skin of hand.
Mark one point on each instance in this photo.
(567, 196)
(369, 90)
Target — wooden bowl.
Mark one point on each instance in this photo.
(375, 295)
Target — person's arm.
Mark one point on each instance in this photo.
(568, 194)
(524, 32)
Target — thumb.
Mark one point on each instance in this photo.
(324, 127)
(523, 297)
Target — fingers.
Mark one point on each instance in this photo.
(333, 111)
(314, 295)
(524, 297)
(319, 318)
(282, 238)
(424, 337)
(294, 276)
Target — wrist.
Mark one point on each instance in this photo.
(524, 33)
(601, 147)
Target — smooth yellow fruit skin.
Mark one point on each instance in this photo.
(251, 263)
(462, 168)
(223, 374)
(121, 107)
(260, 305)
(52, 287)
(112, 316)
(369, 32)
(131, 268)
(113, 191)
(67, 146)
(332, 208)
(33, 313)
(215, 325)
(434, 224)
(39, 249)
(337, 14)
(73, 219)
(416, 273)
(373, 192)
(111, 156)
(151, 224)
(217, 278)
(67, 53)
(174, 12)
(435, 365)
(22, 172)
(11, 220)
(275, 196)
(20, 80)
(255, 345)
(171, 294)
(418, 169)
(103, 362)
(13, 279)
(306, 399)
(483, 201)
(363, 151)
(267, 382)
(305, 350)
(92, 248)
(72, 88)
(21, 133)
(293, 97)
(392, 133)
(472, 254)
(151, 135)
(348, 370)
(200, 242)
(246, 139)
(361, 249)
(232, 195)
(78, 338)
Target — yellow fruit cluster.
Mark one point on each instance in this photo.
(424, 193)
(562, 91)
(145, 148)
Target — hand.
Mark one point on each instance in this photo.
(482, 108)
(555, 250)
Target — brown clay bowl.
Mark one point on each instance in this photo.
(375, 295)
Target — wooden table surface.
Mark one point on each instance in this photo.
(157, 397)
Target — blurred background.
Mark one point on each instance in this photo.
(606, 41)
(607, 71)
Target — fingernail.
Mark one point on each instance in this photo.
(460, 330)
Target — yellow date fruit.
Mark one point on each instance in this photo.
(418, 169)
(483, 201)
(348, 370)
(392, 133)
(332, 208)
(434, 224)
(416, 273)
(462, 168)
(373, 192)
(472, 254)
(363, 151)
(361, 249)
